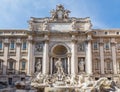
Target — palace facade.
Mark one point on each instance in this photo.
(82, 50)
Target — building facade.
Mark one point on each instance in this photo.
(82, 50)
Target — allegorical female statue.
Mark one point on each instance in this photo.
(81, 65)
(38, 66)
(45, 25)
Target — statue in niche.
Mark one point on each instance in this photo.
(38, 66)
(59, 67)
(73, 24)
(39, 47)
(45, 25)
(81, 65)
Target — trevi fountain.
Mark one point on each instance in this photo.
(60, 56)
(62, 82)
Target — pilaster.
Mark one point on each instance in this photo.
(6, 49)
(113, 44)
(102, 56)
(18, 54)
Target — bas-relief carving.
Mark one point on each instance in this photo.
(81, 46)
(39, 46)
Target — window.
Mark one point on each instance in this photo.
(106, 33)
(97, 65)
(107, 45)
(12, 45)
(11, 65)
(108, 65)
(94, 33)
(118, 66)
(24, 46)
(95, 45)
(0, 45)
(118, 46)
(117, 33)
(1, 64)
(23, 65)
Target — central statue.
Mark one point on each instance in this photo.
(59, 67)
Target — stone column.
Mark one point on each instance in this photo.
(68, 64)
(51, 63)
(89, 56)
(102, 56)
(30, 55)
(74, 65)
(18, 54)
(6, 49)
(113, 44)
(45, 69)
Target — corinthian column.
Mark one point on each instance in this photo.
(114, 56)
(45, 57)
(74, 65)
(6, 44)
(88, 56)
(30, 55)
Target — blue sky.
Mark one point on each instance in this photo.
(14, 14)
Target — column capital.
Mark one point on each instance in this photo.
(74, 39)
(46, 38)
(6, 42)
(68, 54)
(89, 38)
(101, 43)
(18, 42)
(113, 43)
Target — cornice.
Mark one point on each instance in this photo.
(13, 30)
(112, 29)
